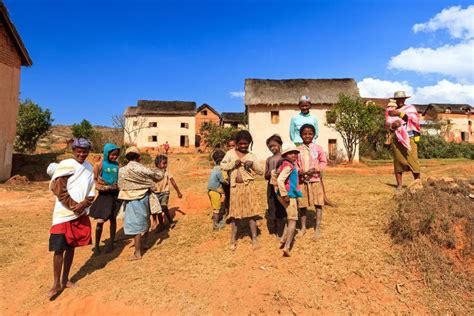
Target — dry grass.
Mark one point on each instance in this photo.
(434, 227)
(354, 268)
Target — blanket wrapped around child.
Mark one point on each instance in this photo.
(409, 128)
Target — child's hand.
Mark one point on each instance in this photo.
(180, 195)
(286, 199)
(248, 165)
(78, 208)
(238, 163)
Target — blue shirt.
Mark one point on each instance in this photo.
(215, 179)
(299, 120)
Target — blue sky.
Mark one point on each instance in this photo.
(94, 58)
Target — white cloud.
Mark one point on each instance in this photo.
(443, 91)
(237, 94)
(459, 22)
(451, 60)
(376, 88)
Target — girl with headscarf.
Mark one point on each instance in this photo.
(107, 204)
(72, 183)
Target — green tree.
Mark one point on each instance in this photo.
(32, 123)
(83, 129)
(216, 136)
(354, 121)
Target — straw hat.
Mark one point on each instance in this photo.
(288, 147)
(400, 95)
(133, 149)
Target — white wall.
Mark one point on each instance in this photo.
(261, 127)
(168, 130)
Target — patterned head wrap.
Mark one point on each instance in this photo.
(81, 143)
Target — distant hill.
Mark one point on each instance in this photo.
(59, 135)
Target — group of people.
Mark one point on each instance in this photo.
(294, 173)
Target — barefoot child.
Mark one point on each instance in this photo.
(106, 206)
(214, 189)
(300, 119)
(288, 193)
(72, 183)
(226, 185)
(135, 182)
(243, 166)
(162, 190)
(311, 161)
(276, 211)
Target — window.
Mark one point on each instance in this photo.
(184, 125)
(135, 123)
(330, 119)
(204, 112)
(332, 148)
(275, 116)
(464, 136)
(184, 141)
(153, 139)
(152, 124)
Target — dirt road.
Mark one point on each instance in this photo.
(353, 268)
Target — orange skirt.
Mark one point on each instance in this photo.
(243, 201)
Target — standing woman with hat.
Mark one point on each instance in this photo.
(135, 181)
(405, 157)
(72, 182)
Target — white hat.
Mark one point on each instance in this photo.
(51, 169)
(400, 95)
(288, 147)
(305, 98)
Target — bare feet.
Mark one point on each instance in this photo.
(328, 202)
(96, 251)
(135, 257)
(232, 246)
(301, 233)
(317, 234)
(69, 285)
(255, 244)
(282, 244)
(286, 252)
(54, 291)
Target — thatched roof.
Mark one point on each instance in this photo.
(151, 107)
(15, 37)
(234, 117)
(288, 91)
(204, 106)
(449, 108)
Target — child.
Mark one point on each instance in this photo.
(214, 187)
(311, 161)
(288, 192)
(72, 183)
(162, 190)
(276, 211)
(226, 185)
(400, 133)
(107, 205)
(304, 117)
(135, 181)
(243, 166)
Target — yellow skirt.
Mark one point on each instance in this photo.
(404, 160)
(313, 194)
(243, 201)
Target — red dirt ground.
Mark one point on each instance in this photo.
(353, 268)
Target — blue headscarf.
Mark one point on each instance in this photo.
(109, 169)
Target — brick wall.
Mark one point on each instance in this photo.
(8, 52)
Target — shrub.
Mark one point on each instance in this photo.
(436, 147)
(32, 123)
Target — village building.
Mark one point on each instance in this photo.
(234, 119)
(13, 55)
(271, 104)
(453, 122)
(152, 123)
(205, 114)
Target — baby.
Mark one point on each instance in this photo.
(400, 133)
